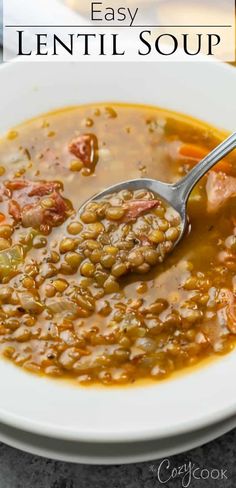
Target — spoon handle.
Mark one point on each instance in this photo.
(185, 186)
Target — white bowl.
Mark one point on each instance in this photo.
(112, 453)
(181, 404)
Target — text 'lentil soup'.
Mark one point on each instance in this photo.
(92, 295)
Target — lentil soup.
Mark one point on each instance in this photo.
(94, 296)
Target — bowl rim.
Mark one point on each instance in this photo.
(60, 431)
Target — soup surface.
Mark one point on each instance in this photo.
(94, 296)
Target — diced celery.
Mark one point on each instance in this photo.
(10, 259)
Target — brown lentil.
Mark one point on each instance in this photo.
(74, 228)
(67, 245)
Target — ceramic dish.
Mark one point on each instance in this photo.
(182, 404)
(107, 454)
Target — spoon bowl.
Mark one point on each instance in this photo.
(175, 195)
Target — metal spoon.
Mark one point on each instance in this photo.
(177, 194)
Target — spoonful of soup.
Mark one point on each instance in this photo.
(140, 221)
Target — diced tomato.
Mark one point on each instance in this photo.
(219, 188)
(85, 147)
(135, 208)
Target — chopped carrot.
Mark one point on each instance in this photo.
(195, 153)
(2, 218)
